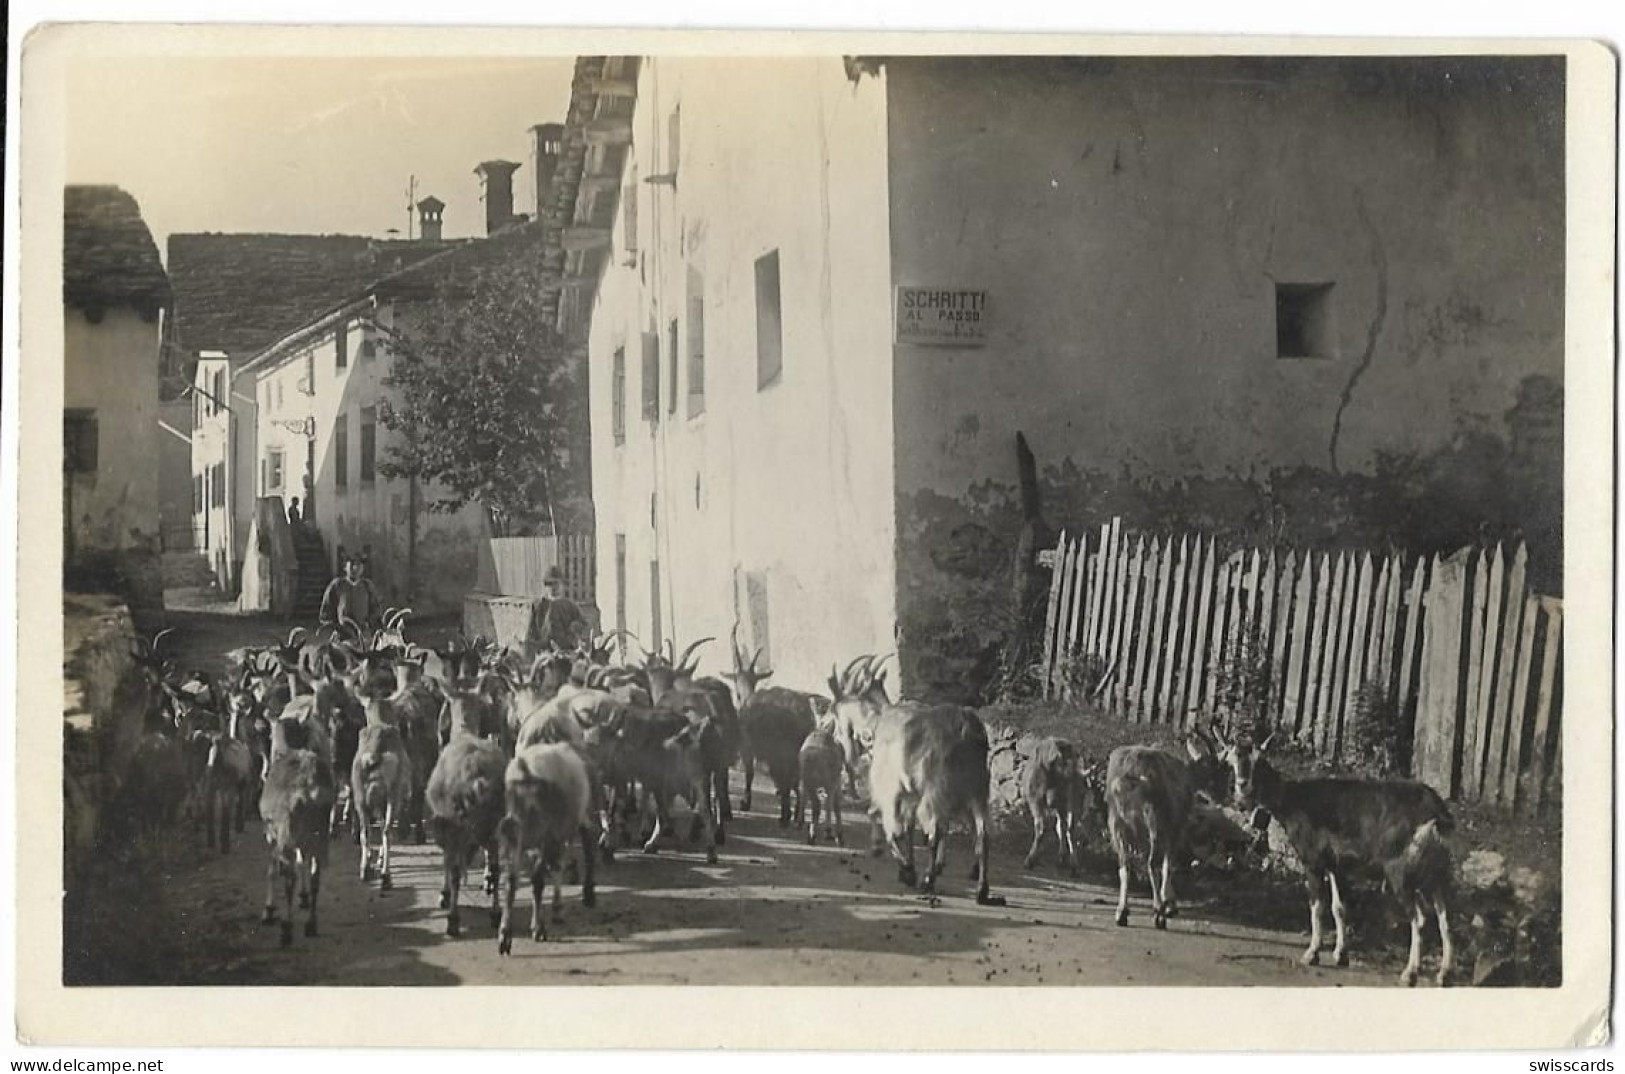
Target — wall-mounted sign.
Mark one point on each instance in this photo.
(941, 316)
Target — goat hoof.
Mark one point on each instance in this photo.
(906, 876)
(445, 899)
(496, 917)
(385, 883)
(812, 840)
(650, 848)
(1310, 958)
(589, 898)
(1408, 978)
(504, 945)
(984, 899)
(269, 917)
(453, 927)
(744, 804)
(1027, 862)
(310, 927)
(421, 838)
(1161, 921)
(1122, 918)
(366, 875)
(1171, 911)
(1342, 959)
(1443, 980)
(287, 934)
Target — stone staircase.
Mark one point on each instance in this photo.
(314, 572)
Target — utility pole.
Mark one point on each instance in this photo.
(411, 203)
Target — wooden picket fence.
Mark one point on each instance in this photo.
(1162, 628)
(517, 566)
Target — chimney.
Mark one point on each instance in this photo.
(429, 211)
(549, 139)
(497, 176)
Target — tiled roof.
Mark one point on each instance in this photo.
(108, 256)
(239, 293)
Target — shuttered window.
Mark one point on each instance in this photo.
(651, 377)
(369, 444)
(696, 344)
(81, 442)
(769, 324)
(617, 400)
(341, 451)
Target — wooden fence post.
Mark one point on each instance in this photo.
(1500, 717)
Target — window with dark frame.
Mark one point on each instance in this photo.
(617, 396)
(656, 628)
(197, 494)
(1304, 326)
(696, 344)
(81, 441)
(671, 365)
(217, 485)
(341, 452)
(341, 347)
(620, 581)
(674, 140)
(274, 479)
(651, 377)
(769, 326)
(369, 444)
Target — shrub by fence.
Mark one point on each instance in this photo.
(1450, 663)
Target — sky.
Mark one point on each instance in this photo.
(307, 145)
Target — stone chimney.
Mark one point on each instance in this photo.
(549, 142)
(429, 213)
(497, 175)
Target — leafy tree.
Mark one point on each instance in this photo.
(482, 389)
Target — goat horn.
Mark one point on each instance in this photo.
(754, 658)
(738, 653)
(157, 639)
(297, 635)
(846, 679)
(683, 661)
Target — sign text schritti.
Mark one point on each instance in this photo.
(941, 316)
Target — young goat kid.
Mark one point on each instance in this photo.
(821, 769)
(1340, 826)
(1058, 792)
(1150, 796)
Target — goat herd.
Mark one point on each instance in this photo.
(519, 755)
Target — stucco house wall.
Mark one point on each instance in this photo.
(1130, 220)
(111, 368)
(308, 382)
(773, 505)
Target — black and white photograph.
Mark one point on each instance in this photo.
(1042, 515)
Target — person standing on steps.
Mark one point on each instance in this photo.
(351, 597)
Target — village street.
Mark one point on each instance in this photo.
(771, 911)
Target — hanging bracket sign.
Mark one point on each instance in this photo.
(941, 317)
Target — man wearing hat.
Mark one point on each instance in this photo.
(558, 622)
(351, 597)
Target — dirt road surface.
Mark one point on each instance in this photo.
(771, 911)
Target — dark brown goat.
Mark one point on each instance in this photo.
(1337, 827)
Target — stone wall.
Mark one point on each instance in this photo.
(101, 716)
